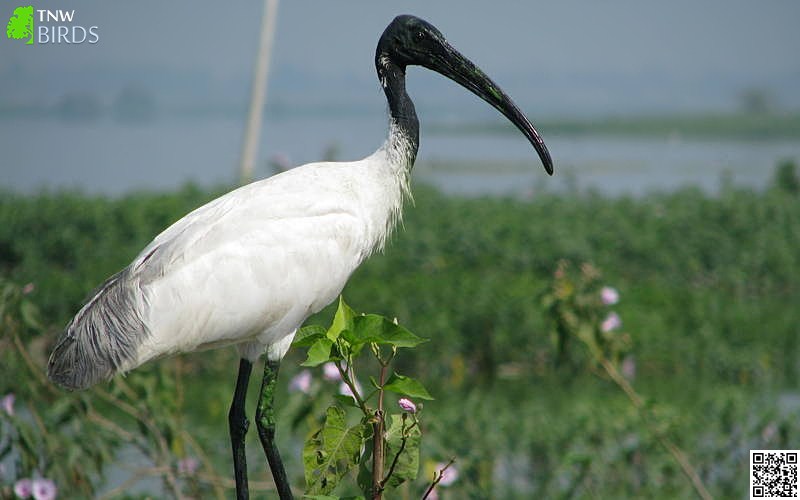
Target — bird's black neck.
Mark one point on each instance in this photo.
(404, 126)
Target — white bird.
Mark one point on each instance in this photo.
(248, 268)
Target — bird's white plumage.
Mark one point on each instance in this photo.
(252, 265)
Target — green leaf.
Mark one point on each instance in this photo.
(342, 320)
(380, 330)
(407, 465)
(350, 336)
(307, 335)
(364, 477)
(346, 400)
(319, 352)
(332, 451)
(406, 386)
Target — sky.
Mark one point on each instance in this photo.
(568, 57)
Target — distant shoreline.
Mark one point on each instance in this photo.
(730, 125)
(739, 126)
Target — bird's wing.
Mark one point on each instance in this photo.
(252, 263)
(273, 208)
(248, 266)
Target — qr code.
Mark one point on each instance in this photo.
(773, 474)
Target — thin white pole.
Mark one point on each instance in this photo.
(258, 93)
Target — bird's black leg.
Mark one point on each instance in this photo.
(238, 424)
(265, 422)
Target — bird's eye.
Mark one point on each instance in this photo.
(420, 35)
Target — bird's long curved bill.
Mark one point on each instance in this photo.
(461, 70)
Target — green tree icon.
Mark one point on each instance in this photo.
(20, 25)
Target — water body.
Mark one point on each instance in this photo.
(103, 156)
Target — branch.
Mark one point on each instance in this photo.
(206, 463)
(156, 433)
(396, 458)
(437, 477)
(347, 380)
(378, 440)
(34, 369)
(136, 477)
(115, 429)
(671, 447)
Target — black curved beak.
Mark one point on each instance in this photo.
(449, 62)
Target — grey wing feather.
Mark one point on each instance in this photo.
(101, 338)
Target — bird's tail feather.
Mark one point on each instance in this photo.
(102, 338)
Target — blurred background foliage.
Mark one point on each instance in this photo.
(708, 287)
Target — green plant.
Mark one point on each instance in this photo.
(383, 445)
(710, 283)
(574, 303)
(786, 178)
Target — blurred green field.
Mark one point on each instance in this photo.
(709, 291)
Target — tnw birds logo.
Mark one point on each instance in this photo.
(51, 27)
(20, 25)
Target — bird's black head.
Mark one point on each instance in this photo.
(409, 40)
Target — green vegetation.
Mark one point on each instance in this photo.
(708, 287)
(383, 444)
(739, 126)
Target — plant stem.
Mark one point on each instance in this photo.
(209, 467)
(378, 441)
(396, 458)
(394, 461)
(437, 476)
(622, 382)
(671, 447)
(348, 380)
(143, 417)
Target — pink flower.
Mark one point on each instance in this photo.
(44, 489)
(344, 389)
(407, 405)
(23, 488)
(301, 382)
(450, 474)
(612, 322)
(330, 372)
(8, 403)
(628, 368)
(188, 466)
(609, 296)
(30, 287)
